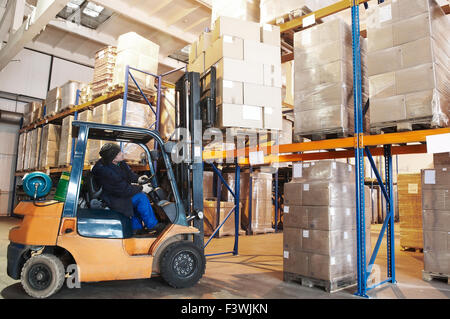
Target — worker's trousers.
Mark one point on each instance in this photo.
(143, 212)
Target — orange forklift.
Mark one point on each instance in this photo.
(99, 241)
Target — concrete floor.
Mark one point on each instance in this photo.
(257, 272)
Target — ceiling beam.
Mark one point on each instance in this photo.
(103, 39)
(45, 11)
(181, 15)
(159, 7)
(193, 25)
(205, 3)
(144, 18)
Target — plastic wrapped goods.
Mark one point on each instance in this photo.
(408, 51)
(323, 79)
(211, 222)
(65, 144)
(69, 93)
(86, 116)
(21, 151)
(49, 147)
(436, 219)
(241, 9)
(137, 52)
(136, 115)
(98, 116)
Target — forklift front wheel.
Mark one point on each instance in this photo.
(182, 264)
(42, 275)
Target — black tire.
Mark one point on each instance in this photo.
(42, 275)
(182, 264)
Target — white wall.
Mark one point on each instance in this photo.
(71, 71)
(8, 151)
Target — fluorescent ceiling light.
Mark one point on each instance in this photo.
(75, 4)
(93, 10)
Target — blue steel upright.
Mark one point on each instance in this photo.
(359, 154)
(390, 239)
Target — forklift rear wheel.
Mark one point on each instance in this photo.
(42, 275)
(182, 264)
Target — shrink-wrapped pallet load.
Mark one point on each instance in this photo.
(53, 101)
(247, 58)
(32, 149)
(323, 80)
(105, 60)
(137, 52)
(69, 92)
(86, 116)
(436, 221)
(21, 151)
(408, 51)
(136, 115)
(320, 225)
(49, 147)
(167, 114)
(98, 116)
(211, 222)
(65, 144)
(247, 10)
(410, 210)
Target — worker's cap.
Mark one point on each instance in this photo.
(109, 151)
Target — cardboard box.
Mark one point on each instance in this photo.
(436, 199)
(246, 116)
(270, 34)
(293, 194)
(198, 65)
(69, 93)
(231, 92)
(296, 262)
(273, 118)
(263, 53)
(241, 71)
(418, 78)
(224, 47)
(318, 121)
(53, 107)
(260, 95)
(325, 170)
(271, 75)
(436, 220)
(436, 262)
(441, 159)
(438, 178)
(131, 41)
(319, 217)
(437, 241)
(425, 104)
(387, 109)
(193, 52)
(53, 95)
(246, 30)
(332, 267)
(65, 144)
(204, 42)
(210, 218)
(143, 61)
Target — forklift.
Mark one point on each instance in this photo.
(54, 235)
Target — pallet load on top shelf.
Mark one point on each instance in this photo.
(53, 101)
(247, 10)
(436, 221)
(32, 149)
(86, 116)
(69, 93)
(21, 151)
(85, 93)
(323, 89)
(408, 52)
(48, 156)
(319, 230)
(65, 144)
(32, 112)
(248, 72)
(105, 60)
(137, 52)
(410, 210)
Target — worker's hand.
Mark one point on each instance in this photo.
(147, 188)
(142, 179)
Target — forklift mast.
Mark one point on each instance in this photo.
(195, 110)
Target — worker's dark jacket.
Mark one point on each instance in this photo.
(116, 182)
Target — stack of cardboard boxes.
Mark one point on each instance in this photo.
(247, 10)
(248, 62)
(319, 234)
(137, 52)
(323, 96)
(408, 52)
(33, 142)
(53, 101)
(261, 203)
(21, 151)
(105, 60)
(32, 112)
(49, 148)
(436, 216)
(65, 144)
(69, 93)
(410, 210)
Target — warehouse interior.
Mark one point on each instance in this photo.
(314, 138)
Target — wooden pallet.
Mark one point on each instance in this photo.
(67, 107)
(49, 115)
(327, 285)
(412, 249)
(429, 276)
(403, 126)
(324, 135)
(258, 231)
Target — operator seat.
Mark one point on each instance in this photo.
(93, 192)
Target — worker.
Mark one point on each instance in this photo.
(120, 193)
